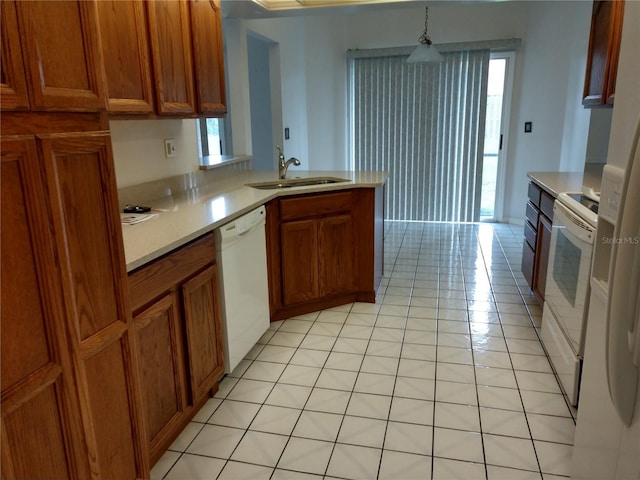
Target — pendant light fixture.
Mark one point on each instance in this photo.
(425, 52)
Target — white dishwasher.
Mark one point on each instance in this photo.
(242, 267)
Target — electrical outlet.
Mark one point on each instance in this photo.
(170, 147)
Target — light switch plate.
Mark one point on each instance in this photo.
(170, 147)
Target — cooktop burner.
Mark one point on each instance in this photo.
(586, 201)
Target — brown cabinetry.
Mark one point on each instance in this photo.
(176, 313)
(537, 239)
(172, 56)
(53, 60)
(69, 401)
(208, 58)
(13, 83)
(38, 386)
(324, 249)
(168, 51)
(125, 44)
(604, 49)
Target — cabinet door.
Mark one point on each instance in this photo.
(206, 29)
(125, 46)
(299, 261)
(543, 246)
(62, 55)
(528, 262)
(162, 370)
(170, 39)
(203, 329)
(42, 435)
(13, 85)
(602, 57)
(88, 236)
(337, 256)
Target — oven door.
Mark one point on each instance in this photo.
(567, 290)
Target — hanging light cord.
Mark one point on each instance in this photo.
(424, 38)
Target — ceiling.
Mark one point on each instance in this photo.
(281, 8)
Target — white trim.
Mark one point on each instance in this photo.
(504, 127)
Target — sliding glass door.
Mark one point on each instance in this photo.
(425, 125)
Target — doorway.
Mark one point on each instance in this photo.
(496, 126)
(266, 112)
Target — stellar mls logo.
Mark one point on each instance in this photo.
(621, 240)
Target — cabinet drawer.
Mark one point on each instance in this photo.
(315, 205)
(530, 234)
(150, 281)
(546, 205)
(532, 215)
(534, 194)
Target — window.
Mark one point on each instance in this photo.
(214, 137)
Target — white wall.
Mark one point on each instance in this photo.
(312, 52)
(138, 149)
(548, 93)
(327, 87)
(599, 133)
(547, 89)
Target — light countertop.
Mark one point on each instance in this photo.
(187, 215)
(558, 182)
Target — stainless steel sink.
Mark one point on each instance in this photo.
(296, 182)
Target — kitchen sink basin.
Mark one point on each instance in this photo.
(296, 182)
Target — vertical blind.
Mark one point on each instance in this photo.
(424, 125)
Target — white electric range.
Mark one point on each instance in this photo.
(566, 307)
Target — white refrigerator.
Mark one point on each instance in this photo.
(607, 441)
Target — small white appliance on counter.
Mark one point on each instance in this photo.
(244, 294)
(566, 306)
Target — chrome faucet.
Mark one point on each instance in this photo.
(284, 166)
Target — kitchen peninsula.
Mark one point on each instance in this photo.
(190, 213)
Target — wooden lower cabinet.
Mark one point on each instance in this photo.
(322, 257)
(336, 252)
(178, 324)
(162, 368)
(324, 249)
(203, 331)
(70, 402)
(299, 261)
(537, 239)
(543, 246)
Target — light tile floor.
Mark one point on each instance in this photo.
(443, 377)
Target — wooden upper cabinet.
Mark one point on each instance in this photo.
(13, 84)
(124, 36)
(170, 40)
(604, 49)
(62, 58)
(208, 58)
